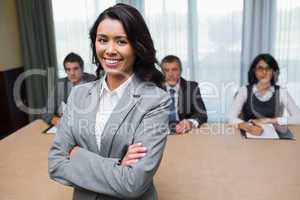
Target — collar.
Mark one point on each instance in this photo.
(176, 87)
(271, 89)
(119, 91)
(71, 84)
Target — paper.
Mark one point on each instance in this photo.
(269, 132)
(52, 130)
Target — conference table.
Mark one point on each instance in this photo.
(210, 163)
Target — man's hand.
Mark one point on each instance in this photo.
(134, 153)
(184, 126)
(55, 120)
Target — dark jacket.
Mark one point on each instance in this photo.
(190, 103)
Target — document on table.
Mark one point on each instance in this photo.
(269, 132)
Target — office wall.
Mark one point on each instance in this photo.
(10, 45)
(11, 66)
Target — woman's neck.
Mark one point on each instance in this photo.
(262, 88)
(114, 80)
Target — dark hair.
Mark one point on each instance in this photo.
(170, 59)
(137, 33)
(268, 58)
(73, 57)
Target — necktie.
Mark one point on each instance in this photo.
(172, 114)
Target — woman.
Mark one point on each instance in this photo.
(262, 101)
(90, 151)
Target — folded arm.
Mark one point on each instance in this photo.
(105, 175)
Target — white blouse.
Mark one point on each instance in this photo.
(286, 103)
(108, 101)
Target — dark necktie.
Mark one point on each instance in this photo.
(172, 114)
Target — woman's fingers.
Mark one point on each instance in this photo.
(136, 149)
(129, 162)
(136, 156)
(133, 154)
(134, 145)
(256, 130)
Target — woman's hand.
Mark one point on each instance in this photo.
(73, 151)
(250, 127)
(264, 120)
(134, 153)
(255, 129)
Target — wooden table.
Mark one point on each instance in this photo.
(24, 166)
(216, 163)
(213, 162)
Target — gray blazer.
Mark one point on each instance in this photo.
(140, 116)
(60, 94)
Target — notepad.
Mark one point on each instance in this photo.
(272, 132)
(269, 132)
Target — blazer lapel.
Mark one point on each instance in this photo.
(126, 103)
(181, 96)
(66, 94)
(94, 95)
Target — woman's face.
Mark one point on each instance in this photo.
(263, 72)
(113, 48)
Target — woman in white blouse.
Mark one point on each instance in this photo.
(111, 138)
(262, 101)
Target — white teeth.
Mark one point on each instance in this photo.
(111, 62)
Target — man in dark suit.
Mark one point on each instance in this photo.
(187, 110)
(73, 65)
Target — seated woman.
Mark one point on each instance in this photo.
(262, 101)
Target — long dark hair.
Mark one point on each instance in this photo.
(137, 33)
(270, 60)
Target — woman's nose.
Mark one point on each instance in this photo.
(111, 48)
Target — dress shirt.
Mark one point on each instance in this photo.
(194, 122)
(108, 101)
(286, 103)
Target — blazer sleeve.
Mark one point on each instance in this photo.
(104, 175)
(198, 107)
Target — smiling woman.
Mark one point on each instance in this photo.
(113, 37)
(112, 135)
(114, 51)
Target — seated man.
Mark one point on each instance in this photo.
(73, 65)
(187, 108)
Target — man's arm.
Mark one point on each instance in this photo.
(198, 108)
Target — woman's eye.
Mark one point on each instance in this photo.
(101, 40)
(122, 42)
